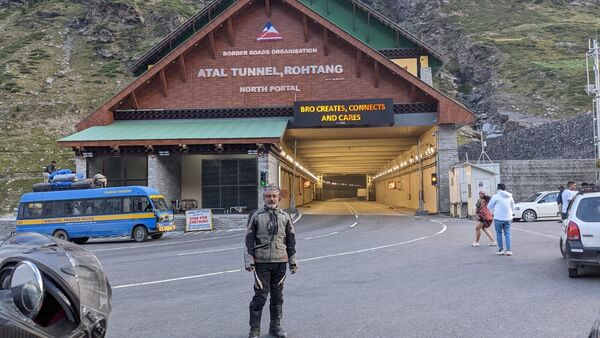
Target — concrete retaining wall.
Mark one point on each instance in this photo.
(525, 177)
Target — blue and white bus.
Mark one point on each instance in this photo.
(79, 215)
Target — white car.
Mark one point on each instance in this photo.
(580, 233)
(539, 205)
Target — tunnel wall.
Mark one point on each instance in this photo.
(407, 181)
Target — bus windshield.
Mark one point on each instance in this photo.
(159, 204)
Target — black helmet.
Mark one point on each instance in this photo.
(51, 288)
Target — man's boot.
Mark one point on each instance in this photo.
(254, 323)
(275, 329)
(254, 332)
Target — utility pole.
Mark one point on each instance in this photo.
(592, 59)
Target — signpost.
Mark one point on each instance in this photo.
(197, 220)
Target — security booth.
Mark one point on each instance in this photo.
(466, 181)
(249, 93)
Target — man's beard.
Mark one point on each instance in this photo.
(272, 205)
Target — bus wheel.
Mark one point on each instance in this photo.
(80, 240)
(140, 233)
(156, 236)
(61, 234)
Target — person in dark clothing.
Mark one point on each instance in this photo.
(50, 168)
(270, 246)
(559, 201)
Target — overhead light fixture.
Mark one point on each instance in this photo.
(87, 154)
(163, 153)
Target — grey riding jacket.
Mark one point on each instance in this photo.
(270, 237)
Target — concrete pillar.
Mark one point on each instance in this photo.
(164, 175)
(81, 166)
(270, 164)
(447, 156)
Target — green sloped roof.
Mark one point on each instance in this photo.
(253, 128)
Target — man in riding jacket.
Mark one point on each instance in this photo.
(270, 246)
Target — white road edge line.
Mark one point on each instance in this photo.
(353, 224)
(162, 244)
(175, 279)
(329, 234)
(297, 218)
(536, 233)
(207, 251)
(301, 260)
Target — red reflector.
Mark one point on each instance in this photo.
(573, 232)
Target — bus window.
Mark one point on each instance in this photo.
(99, 206)
(53, 209)
(160, 204)
(73, 208)
(127, 204)
(114, 205)
(141, 204)
(32, 210)
(87, 207)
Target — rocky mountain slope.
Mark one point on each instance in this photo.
(516, 63)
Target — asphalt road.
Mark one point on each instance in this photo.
(379, 274)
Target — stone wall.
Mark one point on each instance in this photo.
(164, 174)
(447, 157)
(270, 164)
(523, 178)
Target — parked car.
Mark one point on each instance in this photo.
(580, 233)
(539, 205)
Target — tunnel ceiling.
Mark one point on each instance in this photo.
(351, 150)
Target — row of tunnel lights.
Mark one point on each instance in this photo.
(413, 159)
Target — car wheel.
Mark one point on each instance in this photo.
(563, 250)
(573, 273)
(529, 216)
(140, 233)
(156, 236)
(80, 240)
(61, 234)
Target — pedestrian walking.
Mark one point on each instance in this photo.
(49, 169)
(559, 201)
(484, 219)
(566, 197)
(270, 246)
(502, 205)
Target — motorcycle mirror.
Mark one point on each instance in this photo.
(27, 288)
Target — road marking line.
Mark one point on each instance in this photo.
(364, 250)
(297, 219)
(352, 210)
(353, 224)
(162, 244)
(175, 279)
(537, 233)
(207, 251)
(445, 227)
(301, 260)
(329, 234)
